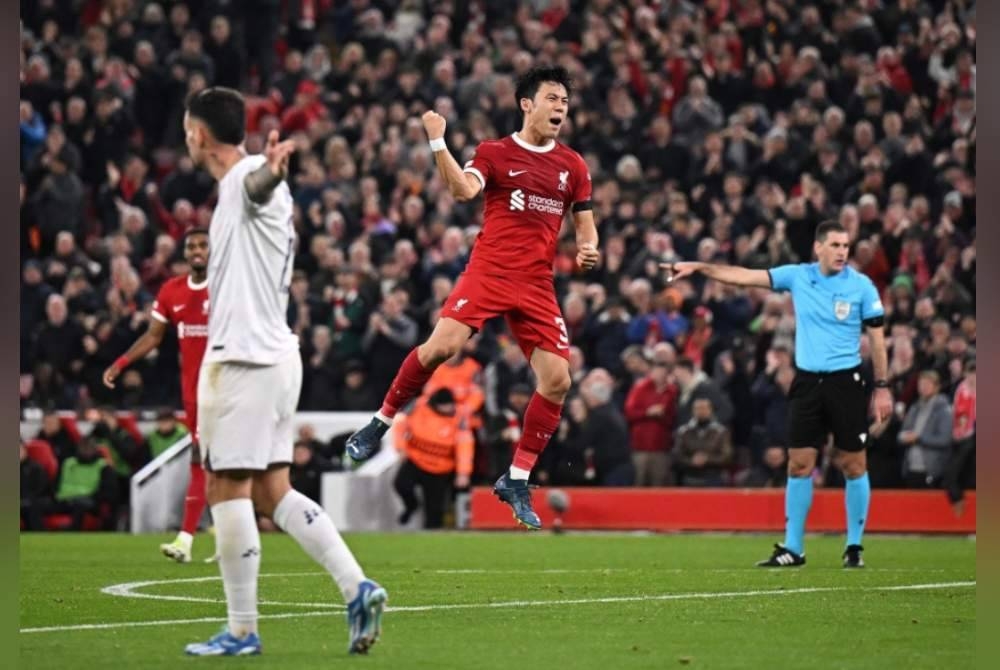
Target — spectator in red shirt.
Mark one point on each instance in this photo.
(306, 109)
(962, 465)
(651, 409)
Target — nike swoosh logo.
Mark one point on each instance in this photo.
(562, 346)
(514, 173)
(177, 308)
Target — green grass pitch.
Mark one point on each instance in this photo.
(514, 600)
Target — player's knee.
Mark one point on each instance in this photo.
(853, 466)
(262, 502)
(556, 385)
(800, 466)
(437, 350)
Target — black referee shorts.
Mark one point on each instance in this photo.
(828, 402)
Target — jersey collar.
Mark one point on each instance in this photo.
(196, 287)
(531, 147)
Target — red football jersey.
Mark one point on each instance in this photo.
(184, 304)
(964, 412)
(527, 191)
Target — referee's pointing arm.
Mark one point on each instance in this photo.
(728, 274)
(832, 256)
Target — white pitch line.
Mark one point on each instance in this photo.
(519, 603)
(128, 590)
(560, 571)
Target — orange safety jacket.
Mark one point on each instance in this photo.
(462, 381)
(435, 443)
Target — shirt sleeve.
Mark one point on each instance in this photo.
(481, 165)
(783, 277)
(871, 303)
(582, 185)
(161, 310)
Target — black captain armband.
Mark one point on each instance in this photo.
(583, 206)
(875, 322)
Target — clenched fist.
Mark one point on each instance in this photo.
(434, 124)
(587, 256)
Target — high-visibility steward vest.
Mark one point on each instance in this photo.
(433, 442)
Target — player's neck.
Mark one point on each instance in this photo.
(221, 159)
(198, 277)
(533, 137)
(828, 272)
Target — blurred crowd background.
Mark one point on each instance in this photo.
(722, 130)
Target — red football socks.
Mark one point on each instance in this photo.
(541, 421)
(409, 381)
(194, 502)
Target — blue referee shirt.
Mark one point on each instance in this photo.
(829, 312)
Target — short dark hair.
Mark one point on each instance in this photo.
(530, 81)
(827, 227)
(686, 363)
(191, 232)
(222, 110)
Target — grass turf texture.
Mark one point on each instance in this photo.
(855, 619)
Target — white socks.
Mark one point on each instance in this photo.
(383, 418)
(306, 521)
(237, 542)
(519, 473)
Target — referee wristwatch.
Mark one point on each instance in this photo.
(881, 384)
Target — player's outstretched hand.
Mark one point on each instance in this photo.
(587, 256)
(434, 124)
(110, 375)
(680, 270)
(278, 153)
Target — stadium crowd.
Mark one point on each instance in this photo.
(724, 130)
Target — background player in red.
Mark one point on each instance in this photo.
(530, 182)
(183, 302)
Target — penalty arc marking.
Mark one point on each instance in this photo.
(128, 590)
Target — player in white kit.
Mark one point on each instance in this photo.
(250, 380)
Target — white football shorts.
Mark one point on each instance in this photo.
(245, 413)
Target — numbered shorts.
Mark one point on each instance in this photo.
(245, 413)
(823, 403)
(529, 307)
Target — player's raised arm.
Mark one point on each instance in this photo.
(462, 185)
(260, 183)
(148, 341)
(728, 274)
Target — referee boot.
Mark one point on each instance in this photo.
(364, 443)
(852, 556)
(783, 557)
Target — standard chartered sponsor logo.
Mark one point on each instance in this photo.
(518, 203)
(191, 330)
(545, 205)
(517, 200)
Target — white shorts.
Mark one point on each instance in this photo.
(245, 413)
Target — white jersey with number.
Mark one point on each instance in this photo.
(249, 272)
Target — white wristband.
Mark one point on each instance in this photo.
(438, 144)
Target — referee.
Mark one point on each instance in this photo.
(832, 304)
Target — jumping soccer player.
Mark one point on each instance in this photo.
(530, 182)
(832, 304)
(251, 379)
(183, 302)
